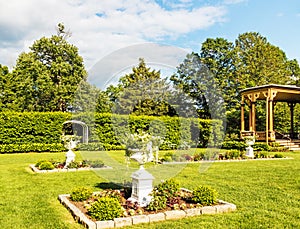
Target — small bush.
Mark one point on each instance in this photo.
(204, 195)
(239, 145)
(105, 208)
(262, 154)
(81, 194)
(168, 188)
(92, 146)
(198, 156)
(46, 165)
(278, 155)
(261, 147)
(157, 203)
(73, 165)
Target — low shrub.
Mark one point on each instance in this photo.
(46, 165)
(105, 208)
(32, 147)
(261, 154)
(239, 145)
(81, 194)
(232, 154)
(93, 146)
(198, 156)
(162, 193)
(278, 155)
(157, 203)
(204, 195)
(74, 165)
(261, 147)
(168, 188)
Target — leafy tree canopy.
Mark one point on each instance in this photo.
(47, 77)
(141, 92)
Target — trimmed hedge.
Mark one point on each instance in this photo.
(32, 147)
(31, 127)
(41, 131)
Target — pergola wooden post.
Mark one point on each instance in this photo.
(270, 93)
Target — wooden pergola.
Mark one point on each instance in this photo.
(271, 93)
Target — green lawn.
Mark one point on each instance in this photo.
(267, 193)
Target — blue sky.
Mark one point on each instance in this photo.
(102, 27)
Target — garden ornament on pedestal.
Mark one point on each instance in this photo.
(69, 144)
(141, 179)
(249, 150)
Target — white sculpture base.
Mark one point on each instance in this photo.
(70, 156)
(141, 187)
(249, 152)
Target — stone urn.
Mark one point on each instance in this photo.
(249, 149)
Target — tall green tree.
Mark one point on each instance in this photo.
(257, 62)
(250, 61)
(47, 77)
(141, 92)
(6, 95)
(199, 84)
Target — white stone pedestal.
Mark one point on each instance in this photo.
(141, 186)
(249, 152)
(70, 156)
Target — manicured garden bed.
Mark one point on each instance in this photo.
(150, 217)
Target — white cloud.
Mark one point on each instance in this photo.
(120, 23)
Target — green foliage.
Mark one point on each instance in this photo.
(109, 193)
(239, 145)
(233, 154)
(73, 165)
(31, 147)
(81, 194)
(261, 147)
(105, 208)
(32, 127)
(46, 78)
(129, 97)
(92, 146)
(46, 165)
(168, 188)
(204, 195)
(162, 193)
(42, 131)
(261, 154)
(278, 155)
(157, 203)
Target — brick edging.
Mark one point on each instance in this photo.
(79, 217)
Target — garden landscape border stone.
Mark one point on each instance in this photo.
(36, 170)
(221, 207)
(228, 160)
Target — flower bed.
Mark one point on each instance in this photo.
(147, 217)
(112, 208)
(215, 155)
(44, 166)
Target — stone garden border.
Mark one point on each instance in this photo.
(36, 170)
(226, 161)
(80, 217)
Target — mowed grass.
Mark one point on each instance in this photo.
(267, 193)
